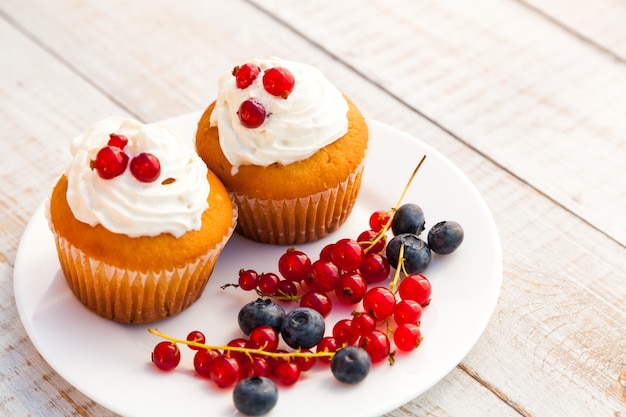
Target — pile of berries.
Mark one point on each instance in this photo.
(111, 161)
(255, 364)
(277, 81)
(348, 271)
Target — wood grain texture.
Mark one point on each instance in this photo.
(500, 77)
(529, 109)
(600, 22)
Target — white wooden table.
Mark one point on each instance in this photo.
(528, 98)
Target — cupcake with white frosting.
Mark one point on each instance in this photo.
(288, 145)
(138, 221)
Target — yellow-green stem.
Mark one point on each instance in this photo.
(393, 286)
(247, 351)
(382, 232)
(409, 181)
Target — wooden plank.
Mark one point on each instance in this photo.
(600, 22)
(500, 77)
(38, 117)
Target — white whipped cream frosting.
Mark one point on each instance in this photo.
(311, 117)
(127, 206)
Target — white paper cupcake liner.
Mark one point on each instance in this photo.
(132, 296)
(298, 220)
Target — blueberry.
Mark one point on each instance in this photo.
(351, 364)
(255, 396)
(417, 254)
(303, 328)
(261, 312)
(409, 218)
(445, 237)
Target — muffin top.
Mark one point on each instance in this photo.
(136, 179)
(276, 111)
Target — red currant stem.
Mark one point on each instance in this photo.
(223, 287)
(387, 225)
(282, 296)
(401, 263)
(248, 351)
(380, 234)
(389, 330)
(392, 354)
(406, 187)
(393, 286)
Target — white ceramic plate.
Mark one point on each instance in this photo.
(110, 362)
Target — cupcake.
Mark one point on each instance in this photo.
(138, 221)
(289, 147)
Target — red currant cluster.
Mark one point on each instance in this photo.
(344, 268)
(257, 355)
(111, 161)
(347, 271)
(277, 81)
(344, 272)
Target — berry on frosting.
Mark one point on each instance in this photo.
(278, 81)
(110, 162)
(246, 74)
(145, 167)
(117, 140)
(251, 113)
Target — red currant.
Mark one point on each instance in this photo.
(239, 342)
(166, 356)
(347, 254)
(407, 337)
(248, 279)
(318, 301)
(110, 162)
(275, 361)
(246, 74)
(196, 336)
(325, 253)
(225, 371)
(305, 363)
(287, 288)
(202, 361)
(145, 167)
(117, 140)
(294, 265)
(263, 337)
(327, 344)
(286, 373)
(363, 323)
(323, 276)
(278, 81)
(344, 332)
(251, 114)
(415, 287)
(376, 344)
(367, 237)
(379, 302)
(350, 288)
(407, 312)
(374, 268)
(379, 219)
(257, 366)
(268, 283)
